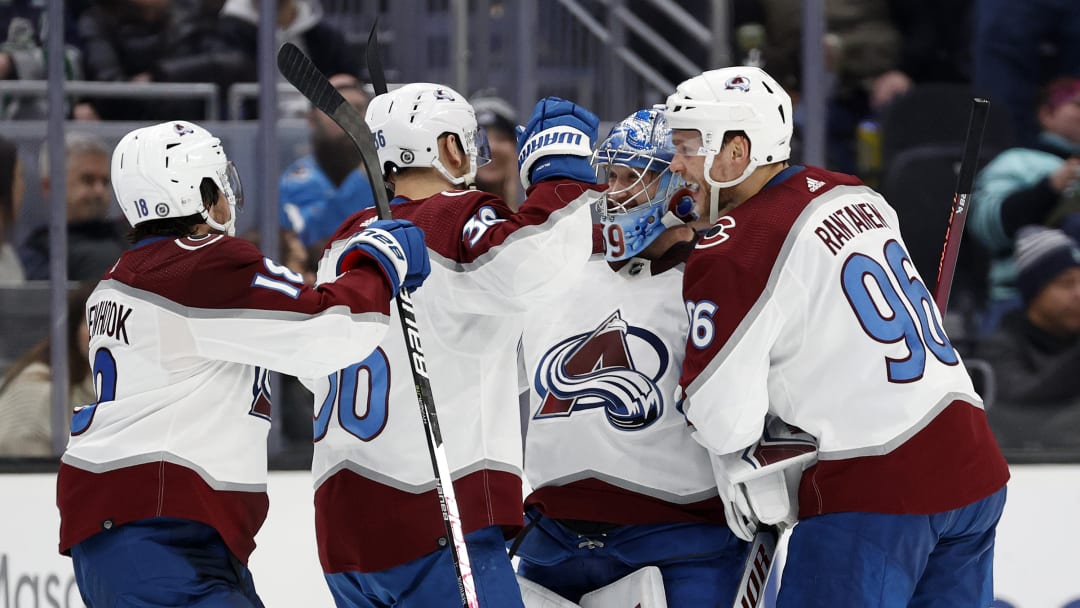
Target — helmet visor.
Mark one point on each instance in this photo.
(483, 147)
(231, 181)
(689, 143)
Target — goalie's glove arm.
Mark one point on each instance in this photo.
(557, 142)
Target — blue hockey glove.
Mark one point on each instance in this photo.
(557, 142)
(398, 247)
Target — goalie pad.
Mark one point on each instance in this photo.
(535, 595)
(760, 484)
(642, 588)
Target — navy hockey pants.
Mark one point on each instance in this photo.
(851, 560)
(431, 581)
(700, 563)
(163, 562)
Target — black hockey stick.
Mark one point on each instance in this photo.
(961, 201)
(762, 551)
(374, 63)
(302, 73)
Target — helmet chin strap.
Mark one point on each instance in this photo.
(228, 227)
(715, 186)
(465, 180)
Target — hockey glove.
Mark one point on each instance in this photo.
(760, 484)
(396, 245)
(557, 142)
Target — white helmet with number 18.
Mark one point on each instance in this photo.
(739, 98)
(408, 121)
(157, 173)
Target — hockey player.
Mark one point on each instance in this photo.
(162, 487)
(804, 304)
(380, 531)
(619, 484)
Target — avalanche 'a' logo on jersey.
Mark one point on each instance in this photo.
(616, 367)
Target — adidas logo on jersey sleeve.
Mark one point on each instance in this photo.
(813, 185)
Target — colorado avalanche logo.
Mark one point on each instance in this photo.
(603, 369)
(717, 233)
(740, 83)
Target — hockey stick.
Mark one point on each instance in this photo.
(759, 562)
(374, 64)
(302, 73)
(458, 550)
(961, 201)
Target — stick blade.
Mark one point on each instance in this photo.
(298, 69)
(374, 64)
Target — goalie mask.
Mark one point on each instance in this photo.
(635, 161)
(157, 172)
(408, 121)
(738, 98)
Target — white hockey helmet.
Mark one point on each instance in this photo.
(408, 121)
(157, 171)
(738, 98)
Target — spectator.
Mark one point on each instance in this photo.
(1036, 351)
(22, 57)
(500, 176)
(300, 22)
(155, 41)
(935, 41)
(94, 240)
(1028, 185)
(319, 190)
(1020, 46)
(26, 390)
(860, 44)
(11, 194)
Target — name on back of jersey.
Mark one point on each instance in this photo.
(842, 225)
(108, 318)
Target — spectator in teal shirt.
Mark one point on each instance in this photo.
(1028, 185)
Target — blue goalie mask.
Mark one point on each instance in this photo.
(635, 162)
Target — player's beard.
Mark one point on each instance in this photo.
(336, 156)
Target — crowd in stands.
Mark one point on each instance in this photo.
(1025, 218)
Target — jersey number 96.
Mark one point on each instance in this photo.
(885, 312)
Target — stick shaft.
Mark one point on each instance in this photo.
(302, 73)
(954, 232)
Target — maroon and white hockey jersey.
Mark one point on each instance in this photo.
(182, 332)
(605, 441)
(804, 303)
(375, 500)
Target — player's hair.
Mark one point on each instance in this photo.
(730, 135)
(177, 226)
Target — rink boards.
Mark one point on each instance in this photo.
(1035, 563)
